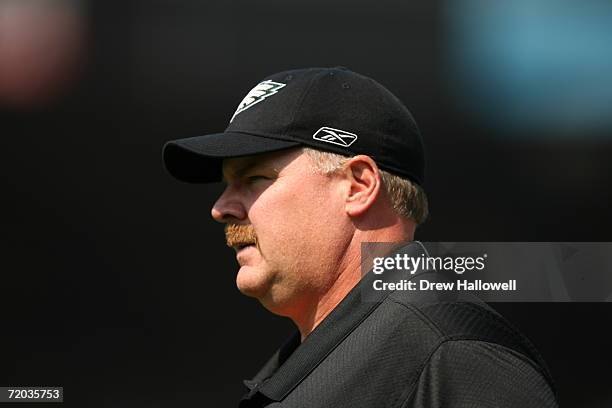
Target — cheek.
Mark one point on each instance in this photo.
(304, 214)
(321, 208)
(270, 215)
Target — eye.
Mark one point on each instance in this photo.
(255, 178)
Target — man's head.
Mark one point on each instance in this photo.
(315, 162)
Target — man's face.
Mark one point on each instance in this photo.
(297, 217)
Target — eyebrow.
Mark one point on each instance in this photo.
(241, 170)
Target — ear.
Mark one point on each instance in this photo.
(364, 184)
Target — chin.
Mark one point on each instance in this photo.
(252, 282)
(257, 284)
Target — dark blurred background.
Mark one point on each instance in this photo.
(116, 283)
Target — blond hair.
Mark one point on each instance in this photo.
(407, 198)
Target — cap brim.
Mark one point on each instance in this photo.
(198, 159)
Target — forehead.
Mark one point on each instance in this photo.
(276, 161)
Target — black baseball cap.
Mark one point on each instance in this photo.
(329, 109)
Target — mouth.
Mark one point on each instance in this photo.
(240, 246)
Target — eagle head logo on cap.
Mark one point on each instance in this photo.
(261, 91)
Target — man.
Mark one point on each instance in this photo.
(317, 162)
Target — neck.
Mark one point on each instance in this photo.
(349, 274)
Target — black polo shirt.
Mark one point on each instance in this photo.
(403, 349)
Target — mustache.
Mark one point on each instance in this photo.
(238, 235)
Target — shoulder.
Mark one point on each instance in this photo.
(469, 371)
(471, 339)
(468, 318)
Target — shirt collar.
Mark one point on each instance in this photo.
(294, 361)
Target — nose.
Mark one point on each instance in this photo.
(228, 207)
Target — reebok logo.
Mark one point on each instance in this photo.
(261, 91)
(335, 136)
